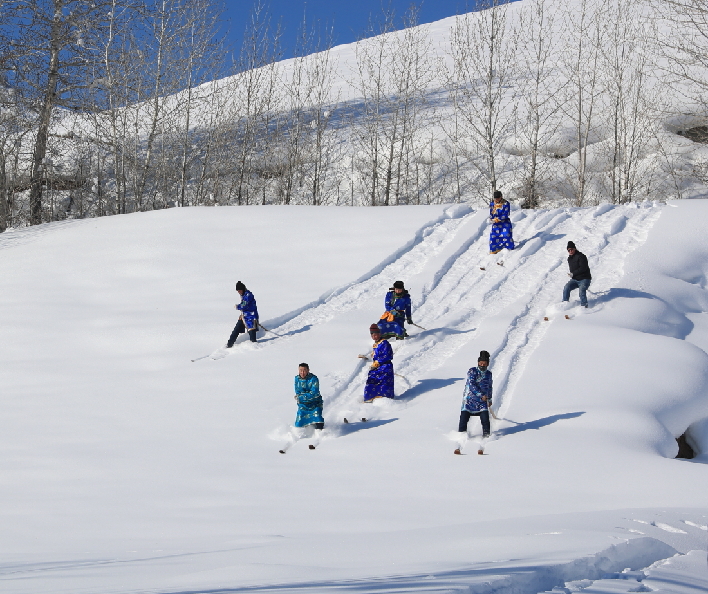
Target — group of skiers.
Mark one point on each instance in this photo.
(477, 396)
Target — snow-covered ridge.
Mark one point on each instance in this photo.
(125, 467)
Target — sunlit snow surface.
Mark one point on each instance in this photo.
(126, 467)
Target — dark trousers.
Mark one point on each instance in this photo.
(238, 329)
(483, 416)
(581, 285)
(319, 425)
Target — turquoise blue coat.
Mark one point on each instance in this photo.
(309, 400)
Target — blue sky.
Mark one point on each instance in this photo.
(349, 18)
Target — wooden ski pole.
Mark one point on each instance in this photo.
(266, 329)
(416, 325)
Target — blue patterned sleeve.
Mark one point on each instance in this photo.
(383, 352)
(466, 391)
(248, 303)
(314, 385)
(389, 301)
(408, 307)
(472, 388)
(503, 214)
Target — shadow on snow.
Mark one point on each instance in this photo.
(537, 424)
(428, 385)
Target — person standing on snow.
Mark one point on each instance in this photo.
(309, 406)
(379, 384)
(500, 236)
(579, 273)
(398, 311)
(248, 320)
(477, 397)
(309, 400)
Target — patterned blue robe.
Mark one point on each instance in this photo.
(500, 236)
(478, 384)
(309, 401)
(400, 307)
(379, 384)
(248, 310)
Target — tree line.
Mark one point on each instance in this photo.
(118, 106)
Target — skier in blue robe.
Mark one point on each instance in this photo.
(477, 397)
(309, 400)
(398, 311)
(248, 320)
(379, 384)
(500, 236)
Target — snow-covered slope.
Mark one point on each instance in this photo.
(125, 467)
(632, 140)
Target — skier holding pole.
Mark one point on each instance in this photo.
(309, 406)
(379, 384)
(477, 399)
(398, 311)
(248, 320)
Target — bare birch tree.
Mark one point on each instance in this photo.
(581, 65)
(411, 74)
(683, 40)
(255, 96)
(632, 104)
(372, 61)
(56, 38)
(539, 89)
(483, 51)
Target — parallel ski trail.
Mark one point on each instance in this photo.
(463, 297)
(408, 263)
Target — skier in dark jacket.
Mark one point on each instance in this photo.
(248, 320)
(579, 273)
(398, 311)
(477, 398)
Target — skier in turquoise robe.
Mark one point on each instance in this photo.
(309, 400)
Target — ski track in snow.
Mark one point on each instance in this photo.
(459, 300)
(461, 297)
(407, 262)
(609, 564)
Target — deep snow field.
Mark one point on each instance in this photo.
(126, 467)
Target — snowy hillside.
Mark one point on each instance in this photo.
(125, 467)
(574, 103)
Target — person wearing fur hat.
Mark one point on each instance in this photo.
(500, 236)
(477, 397)
(248, 320)
(398, 311)
(579, 273)
(379, 384)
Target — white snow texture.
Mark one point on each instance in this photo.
(126, 467)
